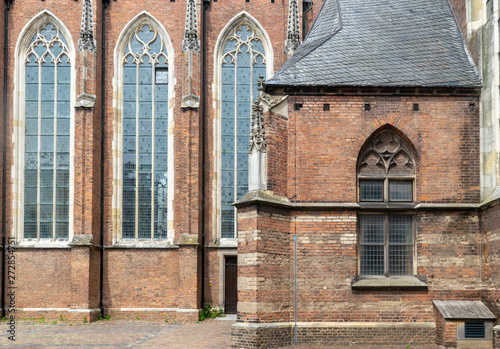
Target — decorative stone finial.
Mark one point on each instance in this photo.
(261, 84)
(257, 133)
(86, 41)
(292, 32)
(191, 41)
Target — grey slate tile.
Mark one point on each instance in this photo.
(381, 43)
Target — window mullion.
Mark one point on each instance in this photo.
(39, 149)
(235, 188)
(386, 245)
(153, 94)
(137, 149)
(54, 176)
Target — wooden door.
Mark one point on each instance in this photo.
(231, 284)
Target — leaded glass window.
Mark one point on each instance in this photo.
(47, 135)
(386, 174)
(386, 244)
(243, 61)
(145, 136)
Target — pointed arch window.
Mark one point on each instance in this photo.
(47, 111)
(386, 175)
(145, 135)
(243, 61)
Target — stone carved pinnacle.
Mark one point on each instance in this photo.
(191, 41)
(86, 41)
(257, 133)
(292, 32)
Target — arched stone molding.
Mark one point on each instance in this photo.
(243, 18)
(398, 126)
(143, 18)
(18, 136)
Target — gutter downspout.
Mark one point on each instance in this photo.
(4, 146)
(206, 5)
(105, 4)
(304, 17)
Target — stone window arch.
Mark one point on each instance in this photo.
(243, 52)
(386, 172)
(143, 143)
(43, 136)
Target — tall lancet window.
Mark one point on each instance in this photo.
(47, 135)
(243, 61)
(145, 136)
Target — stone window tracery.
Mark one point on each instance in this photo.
(47, 114)
(386, 175)
(243, 61)
(145, 135)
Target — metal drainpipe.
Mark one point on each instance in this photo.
(304, 17)
(105, 4)
(4, 141)
(206, 5)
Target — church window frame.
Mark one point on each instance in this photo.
(229, 33)
(162, 63)
(58, 53)
(387, 229)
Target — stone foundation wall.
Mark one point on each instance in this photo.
(332, 333)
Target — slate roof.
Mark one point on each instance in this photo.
(381, 43)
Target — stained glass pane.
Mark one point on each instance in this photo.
(400, 191)
(238, 88)
(145, 137)
(400, 229)
(372, 260)
(46, 165)
(401, 260)
(372, 229)
(372, 190)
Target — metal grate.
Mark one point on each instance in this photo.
(474, 329)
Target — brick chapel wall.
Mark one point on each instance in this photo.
(328, 144)
(448, 242)
(276, 127)
(265, 269)
(490, 227)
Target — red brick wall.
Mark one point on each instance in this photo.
(265, 268)
(328, 144)
(141, 278)
(43, 278)
(276, 127)
(490, 227)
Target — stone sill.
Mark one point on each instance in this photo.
(389, 283)
(146, 244)
(347, 324)
(43, 243)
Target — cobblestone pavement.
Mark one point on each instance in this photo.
(121, 334)
(210, 334)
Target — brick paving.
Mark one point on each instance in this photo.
(211, 334)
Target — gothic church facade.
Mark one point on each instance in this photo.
(369, 194)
